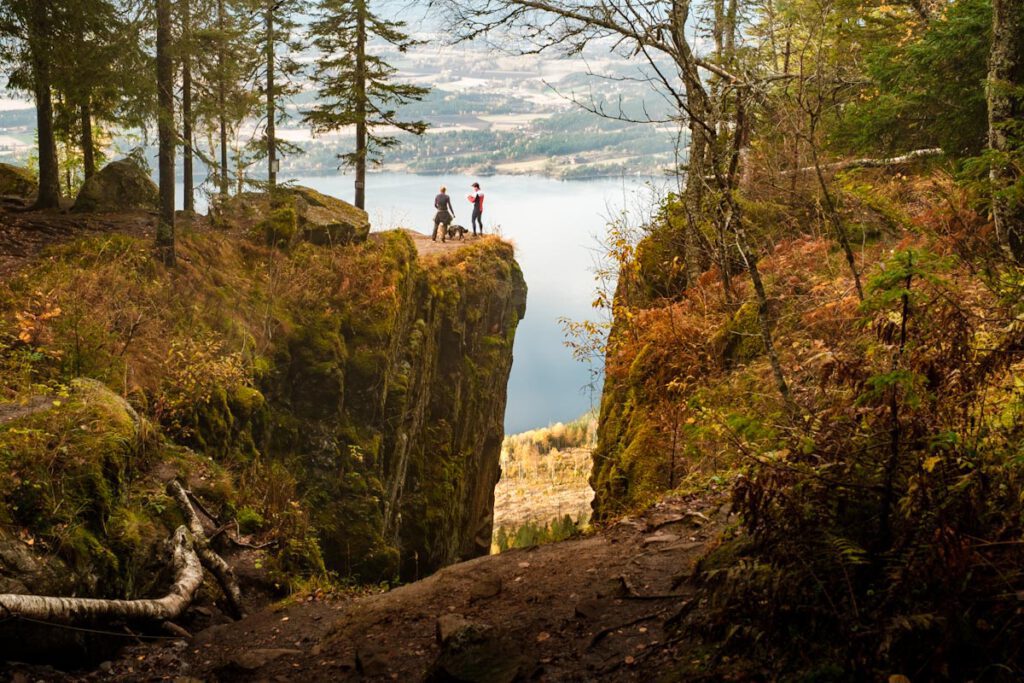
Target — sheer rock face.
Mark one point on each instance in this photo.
(16, 181)
(121, 185)
(396, 415)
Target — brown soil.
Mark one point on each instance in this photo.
(593, 608)
(25, 234)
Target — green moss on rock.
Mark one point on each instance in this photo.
(120, 185)
(71, 466)
(279, 227)
(350, 398)
(739, 340)
(16, 181)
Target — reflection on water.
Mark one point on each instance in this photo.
(554, 225)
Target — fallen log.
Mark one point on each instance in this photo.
(870, 163)
(188, 577)
(220, 569)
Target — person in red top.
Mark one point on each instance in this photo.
(476, 198)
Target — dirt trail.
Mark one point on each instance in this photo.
(25, 234)
(428, 247)
(593, 608)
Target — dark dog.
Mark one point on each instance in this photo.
(456, 230)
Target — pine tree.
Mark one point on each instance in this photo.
(1006, 130)
(279, 39)
(101, 80)
(356, 88)
(31, 31)
(165, 131)
(224, 92)
(185, 50)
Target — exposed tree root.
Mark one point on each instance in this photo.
(223, 528)
(188, 578)
(600, 635)
(212, 561)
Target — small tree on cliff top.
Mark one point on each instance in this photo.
(356, 87)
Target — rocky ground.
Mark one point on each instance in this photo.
(593, 608)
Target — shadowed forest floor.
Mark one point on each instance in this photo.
(584, 609)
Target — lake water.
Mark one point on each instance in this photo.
(555, 226)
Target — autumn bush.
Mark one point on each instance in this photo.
(881, 509)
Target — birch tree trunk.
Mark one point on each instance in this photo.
(188, 578)
(220, 569)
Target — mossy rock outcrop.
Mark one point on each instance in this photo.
(16, 181)
(328, 220)
(388, 410)
(347, 401)
(296, 213)
(121, 185)
(71, 464)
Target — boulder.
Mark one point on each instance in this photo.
(25, 571)
(328, 220)
(298, 213)
(16, 181)
(119, 186)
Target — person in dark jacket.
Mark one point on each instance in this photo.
(476, 197)
(445, 213)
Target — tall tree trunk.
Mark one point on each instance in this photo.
(165, 132)
(360, 198)
(88, 148)
(696, 101)
(1005, 111)
(271, 105)
(693, 198)
(222, 120)
(49, 176)
(186, 106)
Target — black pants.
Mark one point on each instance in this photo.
(477, 221)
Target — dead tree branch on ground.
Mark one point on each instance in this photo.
(188, 578)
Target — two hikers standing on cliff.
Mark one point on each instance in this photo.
(446, 214)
